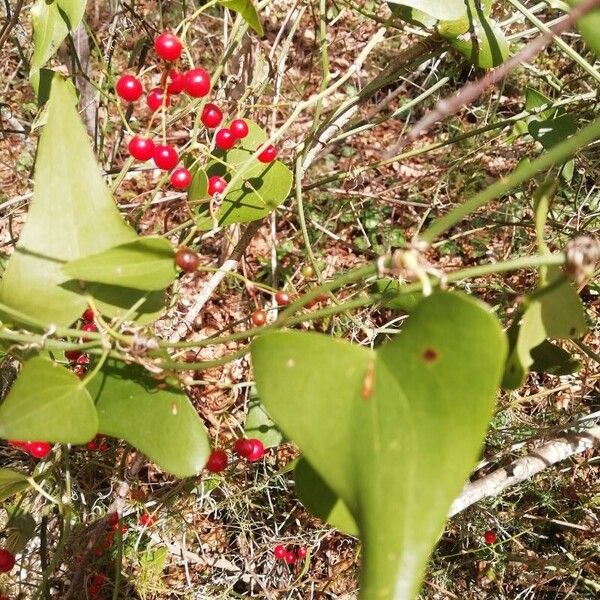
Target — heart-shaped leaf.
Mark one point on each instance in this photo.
(156, 418)
(248, 11)
(11, 483)
(48, 402)
(259, 425)
(144, 264)
(72, 215)
(395, 432)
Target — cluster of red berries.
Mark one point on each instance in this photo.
(7, 560)
(98, 444)
(290, 557)
(36, 449)
(259, 316)
(78, 360)
(195, 83)
(251, 449)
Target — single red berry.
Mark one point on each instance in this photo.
(216, 185)
(282, 298)
(268, 154)
(93, 445)
(141, 148)
(112, 519)
(89, 328)
(165, 157)
(279, 551)
(84, 359)
(168, 47)
(290, 558)
(156, 98)
(301, 553)
(211, 116)
(129, 88)
(187, 260)
(180, 178)
(7, 560)
(490, 537)
(103, 447)
(197, 83)
(259, 318)
(239, 128)
(224, 140)
(258, 450)
(147, 520)
(100, 579)
(39, 449)
(80, 371)
(94, 591)
(88, 315)
(243, 447)
(176, 83)
(72, 355)
(217, 461)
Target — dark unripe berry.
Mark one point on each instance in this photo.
(243, 447)
(72, 355)
(141, 148)
(180, 178)
(168, 47)
(290, 558)
(259, 318)
(490, 537)
(282, 298)
(176, 83)
(129, 88)
(224, 139)
(257, 452)
(239, 128)
(216, 185)
(7, 560)
(156, 98)
(165, 157)
(186, 259)
(269, 154)
(197, 83)
(279, 551)
(211, 116)
(39, 449)
(217, 461)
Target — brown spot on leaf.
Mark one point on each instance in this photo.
(430, 355)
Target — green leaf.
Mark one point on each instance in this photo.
(72, 215)
(48, 402)
(552, 359)
(52, 20)
(393, 432)
(550, 132)
(145, 264)
(589, 25)
(449, 10)
(412, 15)
(247, 10)
(259, 425)
(320, 500)
(11, 483)
(393, 297)
(156, 418)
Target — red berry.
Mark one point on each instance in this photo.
(147, 520)
(259, 318)
(282, 298)
(84, 359)
(88, 327)
(217, 461)
(268, 154)
(108, 540)
(279, 552)
(88, 315)
(490, 537)
(197, 83)
(129, 88)
(141, 148)
(100, 579)
(93, 445)
(243, 447)
(239, 128)
(216, 185)
(72, 355)
(290, 558)
(258, 450)
(103, 447)
(301, 553)
(39, 449)
(186, 259)
(155, 99)
(176, 83)
(211, 116)
(165, 157)
(7, 560)
(224, 140)
(168, 47)
(113, 519)
(180, 178)
(80, 371)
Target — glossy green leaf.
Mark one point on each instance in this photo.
(589, 26)
(48, 402)
(72, 215)
(153, 417)
(320, 500)
(248, 11)
(11, 483)
(259, 425)
(395, 432)
(144, 264)
(52, 20)
(394, 297)
(412, 15)
(449, 10)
